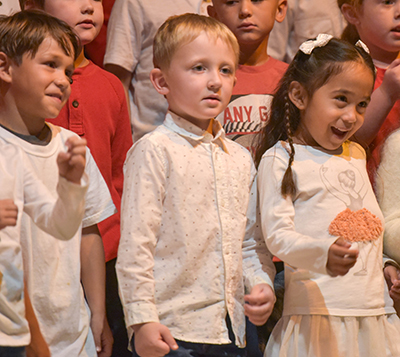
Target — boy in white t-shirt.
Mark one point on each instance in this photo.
(189, 241)
(36, 65)
(21, 190)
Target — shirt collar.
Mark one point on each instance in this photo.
(190, 131)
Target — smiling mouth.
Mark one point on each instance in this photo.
(339, 132)
(56, 96)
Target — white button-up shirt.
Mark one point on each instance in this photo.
(189, 233)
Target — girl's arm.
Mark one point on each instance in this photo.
(277, 222)
(382, 101)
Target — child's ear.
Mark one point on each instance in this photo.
(298, 95)
(158, 79)
(281, 11)
(30, 4)
(211, 12)
(5, 64)
(350, 14)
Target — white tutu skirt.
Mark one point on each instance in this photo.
(335, 336)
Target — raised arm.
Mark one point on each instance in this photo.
(382, 101)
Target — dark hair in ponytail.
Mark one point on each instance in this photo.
(312, 72)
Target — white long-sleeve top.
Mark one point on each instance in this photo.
(59, 217)
(297, 230)
(188, 233)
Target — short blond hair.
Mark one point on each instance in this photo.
(179, 30)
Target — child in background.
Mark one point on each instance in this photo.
(40, 63)
(388, 194)
(193, 244)
(97, 111)
(129, 55)
(376, 23)
(319, 213)
(258, 74)
(304, 19)
(21, 190)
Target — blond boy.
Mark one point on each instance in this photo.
(188, 210)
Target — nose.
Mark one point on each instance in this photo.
(87, 7)
(245, 9)
(214, 81)
(397, 10)
(62, 81)
(350, 116)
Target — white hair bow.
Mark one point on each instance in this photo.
(361, 44)
(321, 40)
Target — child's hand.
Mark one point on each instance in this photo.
(260, 301)
(102, 335)
(71, 164)
(153, 340)
(8, 213)
(341, 258)
(392, 276)
(391, 81)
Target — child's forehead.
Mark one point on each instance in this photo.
(52, 46)
(211, 39)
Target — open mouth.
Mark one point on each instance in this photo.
(340, 133)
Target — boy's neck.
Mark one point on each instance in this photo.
(81, 61)
(12, 119)
(254, 54)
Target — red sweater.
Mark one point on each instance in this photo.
(97, 111)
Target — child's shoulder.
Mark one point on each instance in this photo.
(98, 80)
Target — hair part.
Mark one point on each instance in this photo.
(25, 31)
(350, 32)
(312, 72)
(180, 30)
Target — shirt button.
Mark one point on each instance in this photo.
(75, 104)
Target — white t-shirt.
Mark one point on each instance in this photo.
(52, 267)
(60, 218)
(130, 34)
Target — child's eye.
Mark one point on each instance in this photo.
(230, 3)
(363, 104)
(341, 98)
(51, 64)
(387, 2)
(198, 68)
(226, 70)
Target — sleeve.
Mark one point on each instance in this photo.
(258, 266)
(277, 221)
(59, 217)
(124, 34)
(141, 213)
(99, 204)
(388, 194)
